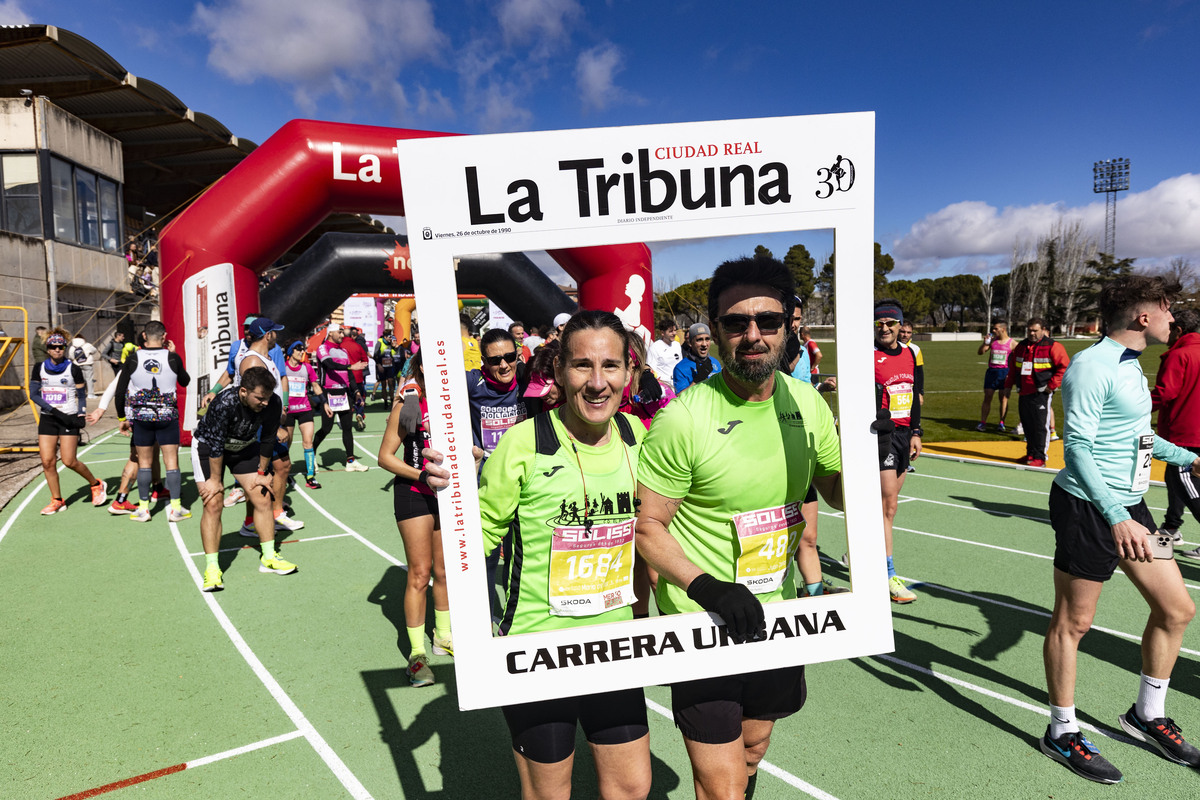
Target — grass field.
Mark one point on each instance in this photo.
(954, 388)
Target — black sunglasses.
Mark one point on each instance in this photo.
(56, 347)
(494, 361)
(767, 322)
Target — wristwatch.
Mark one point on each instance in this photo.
(918, 432)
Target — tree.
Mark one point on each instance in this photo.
(988, 293)
(1103, 269)
(801, 263)
(884, 264)
(913, 300)
(1183, 271)
(826, 287)
(762, 252)
(689, 300)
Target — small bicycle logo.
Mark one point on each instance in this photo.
(837, 178)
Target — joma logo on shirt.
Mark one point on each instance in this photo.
(729, 426)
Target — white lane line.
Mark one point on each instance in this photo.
(1012, 701)
(1037, 612)
(998, 485)
(249, 748)
(388, 556)
(994, 513)
(335, 764)
(289, 541)
(764, 765)
(41, 485)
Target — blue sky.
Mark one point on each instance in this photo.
(989, 116)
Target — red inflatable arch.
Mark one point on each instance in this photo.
(211, 254)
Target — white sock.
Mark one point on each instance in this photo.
(1062, 720)
(1152, 698)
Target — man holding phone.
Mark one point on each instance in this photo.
(1100, 522)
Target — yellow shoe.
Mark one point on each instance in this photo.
(276, 565)
(899, 592)
(212, 580)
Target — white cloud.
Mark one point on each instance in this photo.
(1161, 222)
(544, 22)
(319, 46)
(595, 74)
(11, 13)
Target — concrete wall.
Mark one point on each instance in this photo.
(16, 124)
(74, 139)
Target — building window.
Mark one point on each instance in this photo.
(110, 217)
(86, 208)
(62, 193)
(21, 208)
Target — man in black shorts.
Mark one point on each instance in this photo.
(146, 393)
(700, 486)
(239, 431)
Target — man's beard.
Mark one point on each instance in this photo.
(754, 372)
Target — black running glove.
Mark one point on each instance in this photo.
(649, 389)
(410, 412)
(732, 602)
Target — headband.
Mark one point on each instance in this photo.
(56, 339)
(296, 345)
(889, 311)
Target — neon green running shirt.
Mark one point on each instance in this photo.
(563, 574)
(724, 456)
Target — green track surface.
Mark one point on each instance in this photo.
(114, 665)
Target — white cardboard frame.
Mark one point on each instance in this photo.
(825, 191)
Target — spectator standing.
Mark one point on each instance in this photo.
(696, 364)
(1036, 366)
(113, 351)
(1176, 398)
(84, 355)
(37, 346)
(665, 352)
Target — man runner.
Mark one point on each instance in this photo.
(1101, 522)
(702, 469)
(238, 431)
(146, 394)
(901, 381)
(340, 390)
(998, 345)
(1036, 365)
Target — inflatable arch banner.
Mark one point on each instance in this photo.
(211, 254)
(585, 190)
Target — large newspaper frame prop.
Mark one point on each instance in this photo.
(810, 173)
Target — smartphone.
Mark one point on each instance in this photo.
(1161, 545)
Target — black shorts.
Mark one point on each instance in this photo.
(52, 426)
(1083, 543)
(545, 731)
(238, 462)
(148, 434)
(898, 457)
(995, 378)
(711, 710)
(409, 504)
(298, 416)
(811, 497)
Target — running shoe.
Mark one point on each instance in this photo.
(276, 565)
(248, 531)
(1036, 462)
(159, 492)
(981, 427)
(212, 580)
(178, 514)
(1054, 437)
(419, 673)
(360, 423)
(98, 494)
(235, 496)
(845, 560)
(356, 466)
(900, 593)
(141, 515)
(285, 523)
(122, 509)
(1080, 756)
(1162, 733)
(311, 482)
(56, 505)
(1001, 428)
(1193, 553)
(830, 588)
(910, 468)
(1174, 533)
(1020, 429)
(443, 647)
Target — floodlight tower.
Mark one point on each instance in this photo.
(1110, 176)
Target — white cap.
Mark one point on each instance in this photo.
(333, 328)
(561, 319)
